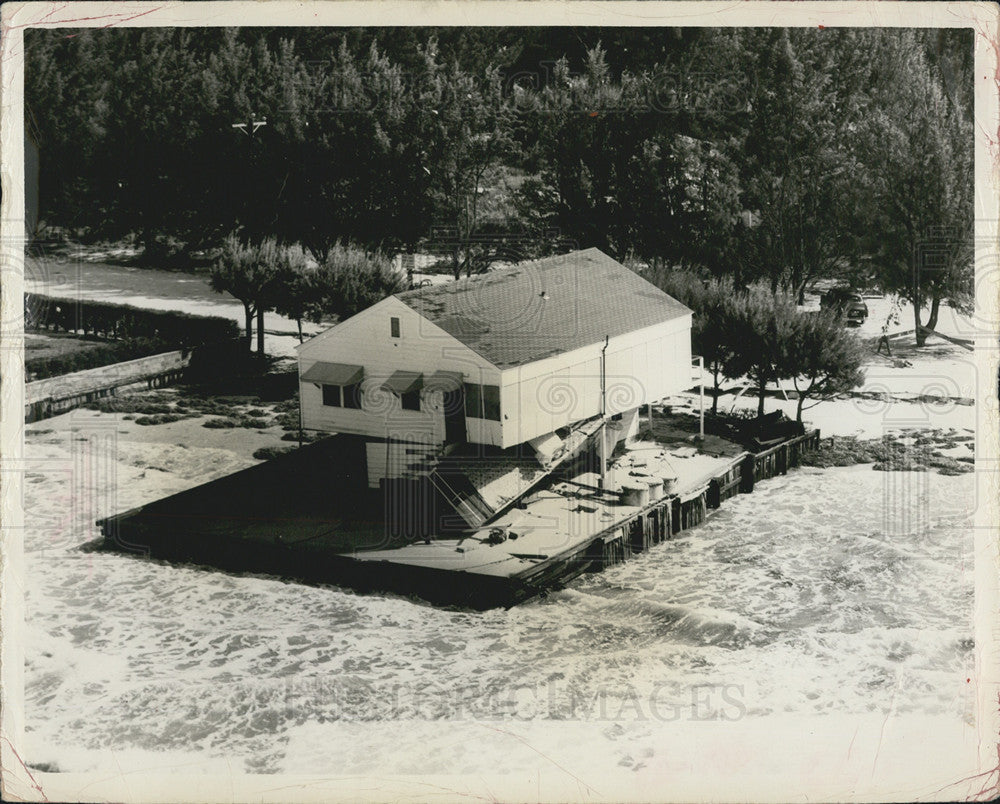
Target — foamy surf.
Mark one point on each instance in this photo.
(777, 605)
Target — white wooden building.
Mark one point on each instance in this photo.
(500, 359)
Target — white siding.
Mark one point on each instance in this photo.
(365, 340)
(642, 367)
(535, 399)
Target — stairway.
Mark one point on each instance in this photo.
(458, 491)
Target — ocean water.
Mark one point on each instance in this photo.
(824, 593)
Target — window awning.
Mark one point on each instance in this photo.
(445, 381)
(403, 382)
(333, 373)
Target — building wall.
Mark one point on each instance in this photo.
(535, 399)
(392, 459)
(365, 340)
(642, 367)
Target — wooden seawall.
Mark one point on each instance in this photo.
(665, 518)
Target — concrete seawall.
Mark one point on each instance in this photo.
(55, 395)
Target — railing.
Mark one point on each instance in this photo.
(472, 508)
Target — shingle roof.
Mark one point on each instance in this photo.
(504, 316)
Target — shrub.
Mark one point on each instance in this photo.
(288, 421)
(124, 322)
(40, 368)
(248, 422)
(145, 404)
(308, 436)
(163, 418)
(266, 453)
(222, 424)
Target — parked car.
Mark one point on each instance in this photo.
(847, 302)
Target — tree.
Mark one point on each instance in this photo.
(249, 272)
(712, 332)
(822, 358)
(350, 280)
(354, 169)
(712, 325)
(798, 165)
(918, 155)
(637, 162)
(759, 327)
(464, 121)
(777, 154)
(294, 293)
(590, 128)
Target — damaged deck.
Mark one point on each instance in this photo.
(305, 515)
(566, 516)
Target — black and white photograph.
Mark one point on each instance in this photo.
(588, 401)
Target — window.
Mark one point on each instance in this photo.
(352, 396)
(482, 401)
(491, 402)
(473, 401)
(394, 327)
(331, 396)
(411, 400)
(342, 396)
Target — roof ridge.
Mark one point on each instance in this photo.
(465, 280)
(557, 305)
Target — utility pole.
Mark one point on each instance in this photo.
(250, 129)
(602, 445)
(250, 220)
(701, 395)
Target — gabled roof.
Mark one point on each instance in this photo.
(545, 307)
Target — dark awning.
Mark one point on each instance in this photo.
(333, 373)
(445, 381)
(402, 382)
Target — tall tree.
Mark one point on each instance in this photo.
(797, 167)
(464, 120)
(917, 146)
(590, 138)
(354, 168)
